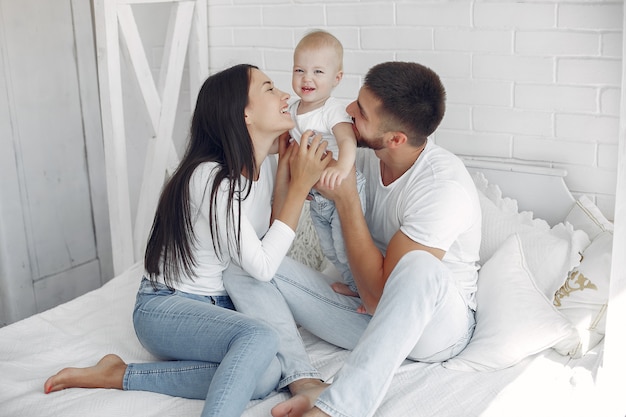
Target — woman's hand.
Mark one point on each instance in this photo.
(308, 160)
(299, 168)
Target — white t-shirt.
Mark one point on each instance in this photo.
(262, 247)
(434, 203)
(321, 120)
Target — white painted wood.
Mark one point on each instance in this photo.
(198, 53)
(47, 225)
(48, 108)
(137, 56)
(112, 114)
(169, 88)
(92, 125)
(59, 288)
(148, 1)
(187, 31)
(17, 298)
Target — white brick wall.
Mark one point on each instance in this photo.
(534, 80)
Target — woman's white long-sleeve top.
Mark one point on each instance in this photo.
(262, 247)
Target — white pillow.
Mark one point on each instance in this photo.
(515, 317)
(586, 216)
(584, 296)
(500, 217)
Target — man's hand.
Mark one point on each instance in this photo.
(333, 176)
(344, 189)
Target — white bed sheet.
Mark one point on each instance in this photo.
(81, 331)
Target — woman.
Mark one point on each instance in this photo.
(214, 211)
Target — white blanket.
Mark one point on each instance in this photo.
(81, 331)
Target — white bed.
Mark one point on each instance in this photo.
(79, 332)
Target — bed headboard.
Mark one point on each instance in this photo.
(539, 189)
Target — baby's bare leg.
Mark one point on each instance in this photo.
(107, 373)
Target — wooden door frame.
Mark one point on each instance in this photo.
(186, 35)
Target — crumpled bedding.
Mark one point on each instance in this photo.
(81, 331)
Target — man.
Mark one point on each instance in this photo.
(413, 256)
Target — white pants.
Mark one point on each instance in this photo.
(421, 316)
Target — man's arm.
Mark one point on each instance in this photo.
(368, 265)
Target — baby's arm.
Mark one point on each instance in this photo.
(346, 142)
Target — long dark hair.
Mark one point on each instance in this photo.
(218, 134)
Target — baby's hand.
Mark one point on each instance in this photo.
(332, 177)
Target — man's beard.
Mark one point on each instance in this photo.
(374, 144)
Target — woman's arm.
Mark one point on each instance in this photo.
(298, 170)
(260, 258)
(368, 265)
(283, 176)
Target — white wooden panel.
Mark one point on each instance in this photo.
(155, 165)
(112, 114)
(92, 126)
(161, 106)
(15, 273)
(137, 56)
(148, 1)
(47, 228)
(198, 51)
(49, 121)
(65, 286)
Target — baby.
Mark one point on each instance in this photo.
(317, 70)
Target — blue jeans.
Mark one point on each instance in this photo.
(326, 221)
(421, 316)
(209, 351)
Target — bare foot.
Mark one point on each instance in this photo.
(305, 393)
(341, 288)
(107, 373)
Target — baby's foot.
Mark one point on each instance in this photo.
(341, 288)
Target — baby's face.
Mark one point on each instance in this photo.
(315, 74)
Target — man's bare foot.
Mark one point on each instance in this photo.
(305, 393)
(107, 373)
(341, 288)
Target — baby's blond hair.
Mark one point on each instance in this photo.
(321, 39)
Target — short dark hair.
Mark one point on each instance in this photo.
(413, 99)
